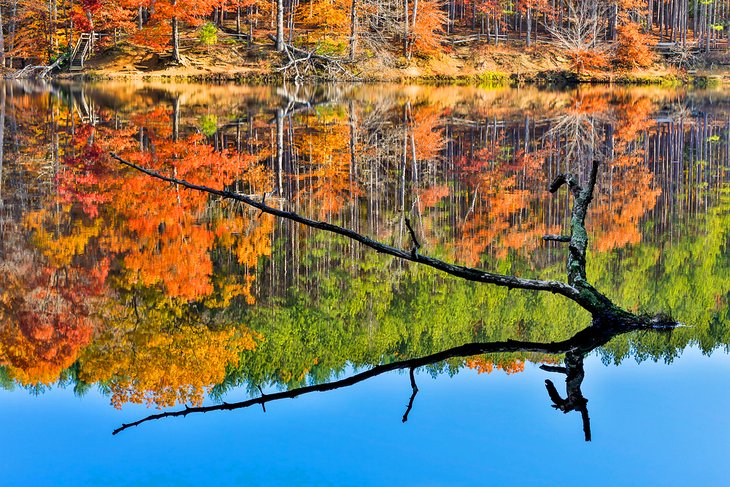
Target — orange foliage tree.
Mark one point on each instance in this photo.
(46, 308)
(56, 293)
(633, 47)
(163, 27)
(327, 21)
(501, 195)
(427, 28)
(632, 192)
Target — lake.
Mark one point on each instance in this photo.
(305, 358)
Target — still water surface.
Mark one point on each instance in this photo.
(122, 296)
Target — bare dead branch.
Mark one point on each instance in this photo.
(556, 238)
(555, 396)
(468, 273)
(416, 245)
(554, 368)
(319, 65)
(263, 398)
(568, 179)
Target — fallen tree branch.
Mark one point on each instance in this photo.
(608, 319)
(468, 273)
(40, 71)
(319, 65)
(577, 289)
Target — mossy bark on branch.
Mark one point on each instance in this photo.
(589, 297)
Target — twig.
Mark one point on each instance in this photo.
(263, 396)
(414, 388)
(562, 179)
(557, 238)
(553, 368)
(263, 202)
(416, 245)
(314, 62)
(555, 397)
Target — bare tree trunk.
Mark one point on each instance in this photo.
(2, 44)
(250, 27)
(405, 28)
(280, 25)
(353, 29)
(175, 40)
(353, 142)
(91, 24)
(13, 23)
(175, 37)
(176, 119)
(2, 138)
(53, 18)
(704, 28)
(279, 150)
(238, 18)
(413, 26)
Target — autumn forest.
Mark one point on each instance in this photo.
(482, 40)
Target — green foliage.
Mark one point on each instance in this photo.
(208, 125)
(690, 279)
(331, 47)
(6, 380)
(208, 34)
(390, 313)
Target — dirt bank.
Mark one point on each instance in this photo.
(473, 64)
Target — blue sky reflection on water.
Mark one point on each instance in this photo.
(653, 424)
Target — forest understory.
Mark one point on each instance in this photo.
(477, 63)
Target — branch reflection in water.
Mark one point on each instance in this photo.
(575, 349)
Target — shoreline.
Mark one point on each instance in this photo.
(469, 66)
(564, 78)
